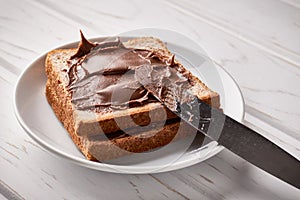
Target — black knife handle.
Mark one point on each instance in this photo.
(248, 144)
(259, 151)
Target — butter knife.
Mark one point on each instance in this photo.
(217, 126)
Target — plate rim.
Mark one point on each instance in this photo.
(122, 169)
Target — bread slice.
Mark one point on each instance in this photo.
(107, 134)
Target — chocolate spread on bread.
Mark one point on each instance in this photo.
(102, 75)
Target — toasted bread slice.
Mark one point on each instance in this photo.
(86, 126)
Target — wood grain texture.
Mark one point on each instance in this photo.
(257, 42)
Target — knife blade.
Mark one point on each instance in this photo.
(174, 92)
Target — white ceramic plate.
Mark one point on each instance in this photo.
(38, 120)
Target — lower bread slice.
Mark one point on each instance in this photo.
(140, 142)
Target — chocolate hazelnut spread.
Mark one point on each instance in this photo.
(102, 75)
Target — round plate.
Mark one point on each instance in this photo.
(39, 121)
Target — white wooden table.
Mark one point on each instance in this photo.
(256, 41)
